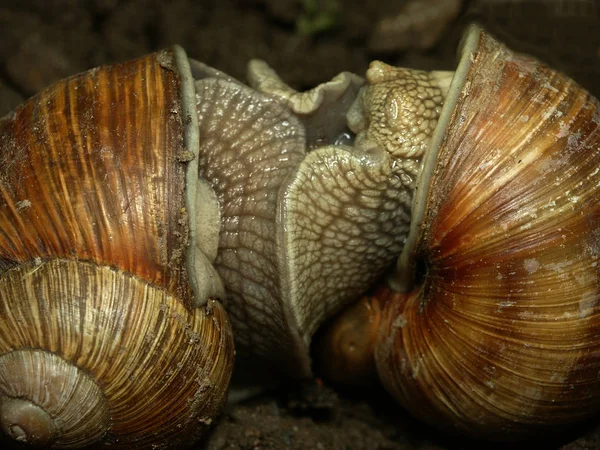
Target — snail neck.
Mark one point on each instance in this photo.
(451, 86)
(398, 111)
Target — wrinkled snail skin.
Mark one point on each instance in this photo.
(310, 220)
(305, 229)
(494, 328)
(105, 339)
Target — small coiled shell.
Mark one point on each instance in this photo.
(106, 335)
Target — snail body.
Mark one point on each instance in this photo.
(307, 223)
(490, 322)
(109, 332)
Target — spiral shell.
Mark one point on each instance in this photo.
(500, 335)
(101, 336)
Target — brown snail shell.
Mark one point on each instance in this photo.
(106, 335)
(496, 332)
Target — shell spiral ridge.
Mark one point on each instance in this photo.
(501, 336)
(94, 282)
(161, 370)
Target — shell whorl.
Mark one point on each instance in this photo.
(135, 350)
(499, 337)
(98, 262)
(46, 401)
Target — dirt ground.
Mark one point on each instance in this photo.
(307, 42)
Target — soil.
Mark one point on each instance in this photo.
(307, 42)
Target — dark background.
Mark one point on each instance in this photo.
(307, 42)
(42, 41)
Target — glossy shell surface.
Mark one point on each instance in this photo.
(94, 238)
(500, 335)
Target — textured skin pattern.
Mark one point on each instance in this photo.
(397, 112)
(400, 110)
(301, 236)
(345, 226)
(249, 144)
(322, 109)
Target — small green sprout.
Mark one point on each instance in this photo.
(318, 16)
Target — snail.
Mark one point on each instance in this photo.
(134, 198)
(489, 323)
(288, 206)
(111, 329)
(482, 183)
